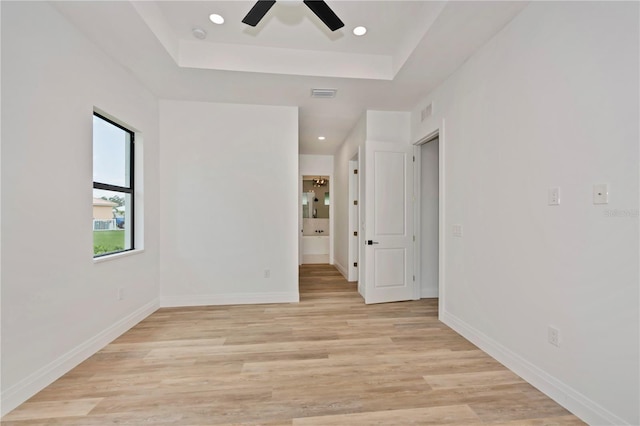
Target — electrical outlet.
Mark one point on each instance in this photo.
(120, 293)
(553, 335)
(457, 231)
(267, 273)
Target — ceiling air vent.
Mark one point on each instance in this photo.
(323, 93)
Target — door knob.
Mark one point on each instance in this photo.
(370, 242)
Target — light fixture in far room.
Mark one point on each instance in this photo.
(321, 138)
(216, 19)
(320, 181)
(359, 31)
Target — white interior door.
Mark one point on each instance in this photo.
(388, 229)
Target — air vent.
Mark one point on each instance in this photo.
(426, 112)
(323, 93)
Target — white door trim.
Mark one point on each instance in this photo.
(417, 231)
(299, 220)
(354, 221)
(360, 222)
(439, 133)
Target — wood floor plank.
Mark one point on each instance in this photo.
(482, 378)
(448, 415)
(328, 360)
(53, 409)
(548, 421)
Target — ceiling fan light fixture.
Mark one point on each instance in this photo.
(359, 31)
(216, 19)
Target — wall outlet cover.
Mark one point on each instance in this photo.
(553, 336)
(553, 196)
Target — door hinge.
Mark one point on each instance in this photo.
(355, 264)
(355, 202)
(414, 158)
(355, 171)
(414, 277)
(414, 238)
(355, 233)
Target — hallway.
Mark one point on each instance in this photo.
(329, 360)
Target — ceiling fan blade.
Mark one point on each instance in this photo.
(258, 11)
(324, 12)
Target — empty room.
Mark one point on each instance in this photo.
(320, 213)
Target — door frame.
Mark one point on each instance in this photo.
(354, 220)
(438, 132)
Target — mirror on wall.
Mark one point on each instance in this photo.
(315, 197)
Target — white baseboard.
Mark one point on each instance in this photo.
(228, 299)
(584, 408)
(43, 377)
(342, 270)
(428, 293)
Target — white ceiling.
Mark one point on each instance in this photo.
(410, 48)
(286, 20)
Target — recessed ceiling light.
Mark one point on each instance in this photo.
(199, 33)
(321, 138)
(216, 19)
(359, 31)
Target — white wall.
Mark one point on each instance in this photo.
(552, 100)
(220, 229)
(316, 164)
(389, 126)
(58, 306)
(428, 236)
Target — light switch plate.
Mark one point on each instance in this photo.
(554, 196)
(601, 193)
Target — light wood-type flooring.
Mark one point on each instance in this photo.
(329, 360)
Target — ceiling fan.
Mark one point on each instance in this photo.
(319, 7)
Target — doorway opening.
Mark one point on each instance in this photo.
(316, 224)
(429, 221)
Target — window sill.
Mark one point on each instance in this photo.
(115, 256)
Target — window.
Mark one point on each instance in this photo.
(113, 188)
